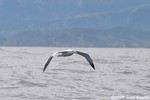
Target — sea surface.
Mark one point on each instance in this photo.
(121, 74)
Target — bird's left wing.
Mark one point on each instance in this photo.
(48, 61)
(88, 58)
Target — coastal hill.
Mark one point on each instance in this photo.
(81, 23)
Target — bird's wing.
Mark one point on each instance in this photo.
(48, 61)
(88, 58)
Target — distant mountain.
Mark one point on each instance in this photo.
(116, 37)
(95, 23)
(18, 15)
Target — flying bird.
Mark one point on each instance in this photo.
(69, 52)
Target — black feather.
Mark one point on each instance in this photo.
(47, 63)
(88, 58)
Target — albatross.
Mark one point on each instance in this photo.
(69, 52)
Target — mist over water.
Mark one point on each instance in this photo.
(119, 72)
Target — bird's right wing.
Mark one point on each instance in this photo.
(48, 61)
(88, 58)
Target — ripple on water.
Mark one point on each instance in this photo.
(135, 94)
(147, 76)
(73, 71)
(106, 88)
(126, 72)
(8, 87)
(31, 84)
(22, 78)
(146, 88)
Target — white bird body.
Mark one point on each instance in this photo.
(66, 53)
(69, 52)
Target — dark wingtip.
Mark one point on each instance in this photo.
(47, 63)
(93, 66)
(44, 69)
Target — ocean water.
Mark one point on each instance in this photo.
(121, 74)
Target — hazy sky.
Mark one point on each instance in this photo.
(31, 14)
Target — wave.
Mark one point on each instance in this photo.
(14, 51)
